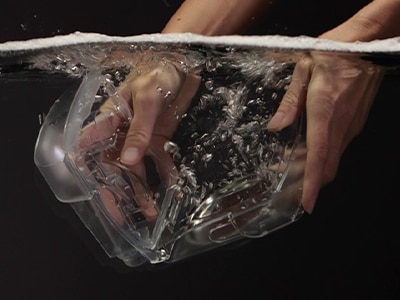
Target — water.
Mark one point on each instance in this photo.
(229, 176)
(237, 97)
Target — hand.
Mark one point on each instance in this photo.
(337, 92)
(145, 112)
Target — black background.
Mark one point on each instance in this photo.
(347, 249)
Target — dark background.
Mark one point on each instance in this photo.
(347, 249)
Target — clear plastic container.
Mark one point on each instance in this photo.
(232, 178)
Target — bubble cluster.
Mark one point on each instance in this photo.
(222, 137)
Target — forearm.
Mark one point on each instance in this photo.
(380, 19)
(216, 17)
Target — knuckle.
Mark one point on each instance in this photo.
(159, 82)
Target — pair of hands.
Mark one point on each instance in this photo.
(336, 91)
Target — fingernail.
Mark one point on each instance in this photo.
(130, 156)
(275, 122)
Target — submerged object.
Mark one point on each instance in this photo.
(230, 178)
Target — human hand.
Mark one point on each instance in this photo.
(337, 92)
(144, 114)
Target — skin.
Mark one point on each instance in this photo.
(221, 17)
(335, 114)
(321, 86)
(159, 93)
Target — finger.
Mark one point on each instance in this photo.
(356, 87)
(104, 126)
(110, 204)
(146, 111)
(320, 107)
(373, 77)
(348, 118)
(151, 94)
(366, 24)
(336, 112)
(143, 195)
(293, 101)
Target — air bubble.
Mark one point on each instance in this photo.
(159, 90)
(207, 157)
(209, 84)
(167, 94)
(259, 89)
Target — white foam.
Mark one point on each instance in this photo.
(269, 41)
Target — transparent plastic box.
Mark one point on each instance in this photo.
(232, 178)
